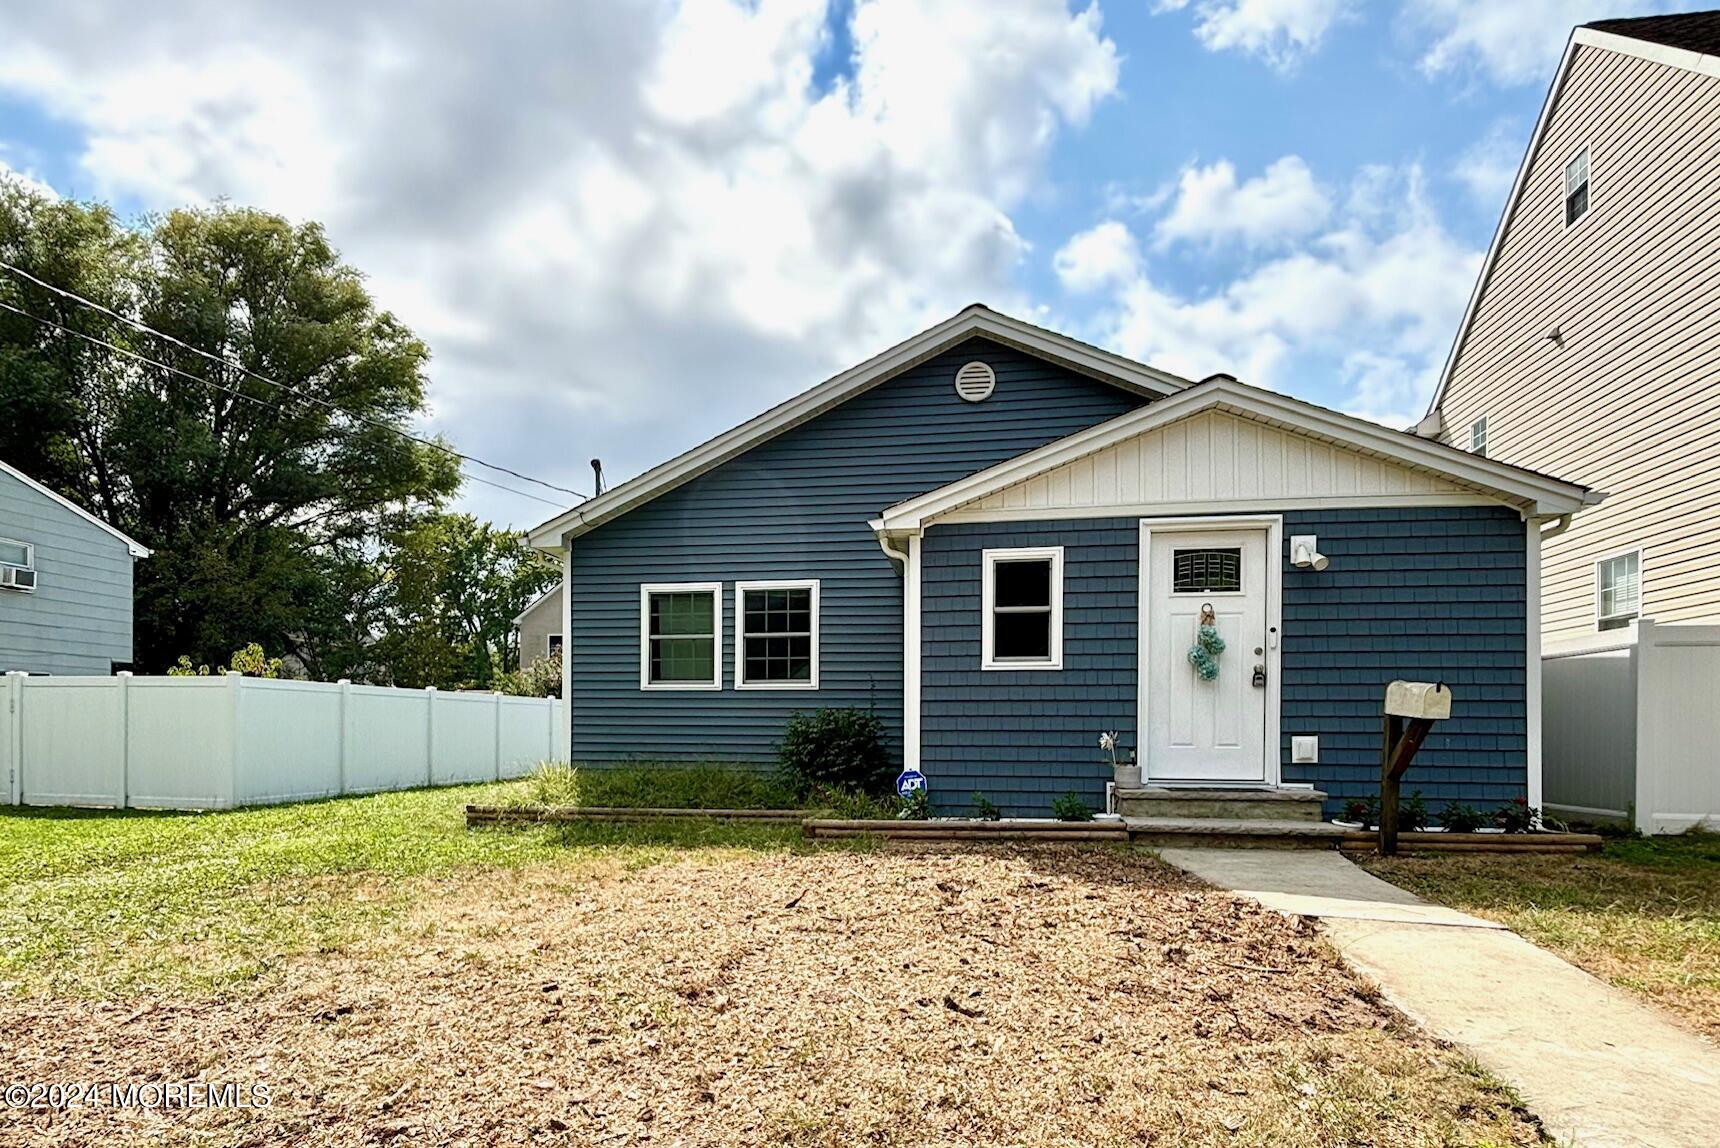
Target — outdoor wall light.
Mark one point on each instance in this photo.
(1305, 553)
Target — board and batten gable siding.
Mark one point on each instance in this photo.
(1209, 459)
(79, 620)
(1627, 400)
(1023, 737)
(1418, 593)
(793, 507)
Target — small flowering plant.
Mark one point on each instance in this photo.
(1108, 743)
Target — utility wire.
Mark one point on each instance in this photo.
(240, 394)
(296, 392)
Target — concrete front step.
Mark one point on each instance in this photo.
(1227, 804)
(1245, 833)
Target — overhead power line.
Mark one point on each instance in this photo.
(292, 390)
(126, 351)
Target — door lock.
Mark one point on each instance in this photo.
(1259, 677)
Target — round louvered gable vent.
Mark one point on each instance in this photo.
(976, 381)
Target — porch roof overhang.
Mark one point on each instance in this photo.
(1534, 494)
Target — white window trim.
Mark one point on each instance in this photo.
(1565, 190)
(715, 589)
(741, 589)
(1602, 561)
(29, 554)
(549, 644)
(1479, 424)
(988, 593)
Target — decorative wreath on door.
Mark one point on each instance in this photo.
(1203, 655)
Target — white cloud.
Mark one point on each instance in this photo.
(1386, 275)
(621, 228)
(1280, 32)
(1488, 167)
(27, 179)
(1509, 43)
(1281, 204)
(1098, 257)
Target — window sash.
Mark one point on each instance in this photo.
(19, 554)
(680, 636)
(1022, 610)
(776, 635)
(1618, 587)
(1577, 187)
(1478, 436)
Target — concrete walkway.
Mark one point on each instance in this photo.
(1600, 1069)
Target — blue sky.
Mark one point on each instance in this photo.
(624, 228)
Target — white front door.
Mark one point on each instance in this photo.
(1201, 730)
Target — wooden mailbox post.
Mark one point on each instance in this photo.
(1409, 712)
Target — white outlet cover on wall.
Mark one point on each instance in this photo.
(1304, 747)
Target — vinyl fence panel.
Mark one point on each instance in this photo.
(1631, 726)
(217, 742)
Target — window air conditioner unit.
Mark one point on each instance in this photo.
(17, 578)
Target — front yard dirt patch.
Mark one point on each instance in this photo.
(1017, 995)
(1643, 914)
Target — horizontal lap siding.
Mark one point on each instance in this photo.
(797, 507)
(79, 620)
(1023, 737)
(1625, 400)
(1428, 594)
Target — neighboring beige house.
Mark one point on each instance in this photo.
(1591, 346)
(539, 627)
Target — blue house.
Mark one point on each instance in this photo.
(1004, 540)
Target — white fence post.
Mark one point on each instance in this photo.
(498, 750)
(124, 687)
(14, 740)
(430, 735)
(345, 685)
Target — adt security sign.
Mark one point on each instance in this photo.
(909, 781)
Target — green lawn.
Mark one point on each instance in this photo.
(1643, 914)
(108, 903)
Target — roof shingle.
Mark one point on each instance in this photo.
(1692, 31)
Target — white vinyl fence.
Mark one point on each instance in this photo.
(1631, 726)
(219, 742)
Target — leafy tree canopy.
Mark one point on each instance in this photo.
(292, 516)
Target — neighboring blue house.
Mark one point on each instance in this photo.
(1003, 540)
(65, 583)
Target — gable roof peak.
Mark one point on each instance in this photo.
(976, 320)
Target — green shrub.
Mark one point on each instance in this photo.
(835, 748)
(1461, 818)
(1412, 814)
(917, 806)
(1071, 807)
(984, 808)
(1518, 817)
(660, 787)
(1363, 810)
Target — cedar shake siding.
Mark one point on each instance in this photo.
(1626, 399)
(1424, 593)
(796, 507)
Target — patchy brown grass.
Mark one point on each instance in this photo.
(1014, 996)
(1644, 914)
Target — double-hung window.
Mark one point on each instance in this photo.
(1478, 436)
(1022, 609)
(680, 636)
(776, 635)
(1577, 187)
(17, 565)
(1618, 590)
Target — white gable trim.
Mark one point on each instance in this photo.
(1535, 494)
(1431, 424)
(138, 549)
(969, 322)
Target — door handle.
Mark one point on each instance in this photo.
(1259, 676)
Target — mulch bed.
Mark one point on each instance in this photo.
(1004, 995)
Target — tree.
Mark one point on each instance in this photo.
(255, 498)
(454, 587)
